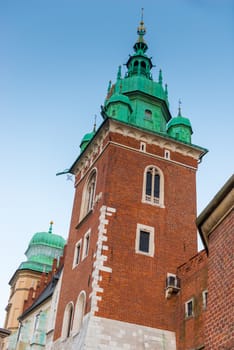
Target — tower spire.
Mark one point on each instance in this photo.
(141, 30)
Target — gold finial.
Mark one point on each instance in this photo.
(50, 228)
(141, 29)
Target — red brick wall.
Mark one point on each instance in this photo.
(219, 327)
(193, 276)
(135, 290)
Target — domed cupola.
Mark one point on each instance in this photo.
(42, 249)
(180, 128)
(86, 139)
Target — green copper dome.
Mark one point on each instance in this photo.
(86, 139)
(43, 248)
(46, 238)
(179, 121)
(180, 128)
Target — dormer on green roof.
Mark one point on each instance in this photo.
(42, 249)
(180, 128)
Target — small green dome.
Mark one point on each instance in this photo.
(47, 238)
(179, 121)
(86, 139)
(180, 128)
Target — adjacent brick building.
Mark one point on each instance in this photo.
(216, 227)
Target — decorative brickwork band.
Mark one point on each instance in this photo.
(100, 259)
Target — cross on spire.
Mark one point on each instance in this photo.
(179, 107)
(95, 121)
(142, 14)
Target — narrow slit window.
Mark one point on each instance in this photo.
(86, 245)
(143, 146)
(189, 308)
(204, 299)
(167, 154)
(77, 253)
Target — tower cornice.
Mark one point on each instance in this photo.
(111, 126)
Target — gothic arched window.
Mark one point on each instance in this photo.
(88, 194)
(153, 186)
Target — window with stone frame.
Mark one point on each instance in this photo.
(77, 253)
(86, 244)
(144, 240)
(189, 308)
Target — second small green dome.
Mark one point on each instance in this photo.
(179, 121)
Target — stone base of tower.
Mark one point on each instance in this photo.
(99, 333)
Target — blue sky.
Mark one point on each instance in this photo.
(56, 59)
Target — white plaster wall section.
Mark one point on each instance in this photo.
(76, 341)
(101, 259)
(106, 334)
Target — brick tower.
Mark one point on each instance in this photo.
(133, 219)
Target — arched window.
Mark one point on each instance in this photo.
(135, 67)
(67, 320)
(148, 114)
(88, 195)
(143, 67)
(153, 186)
(79, 312)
